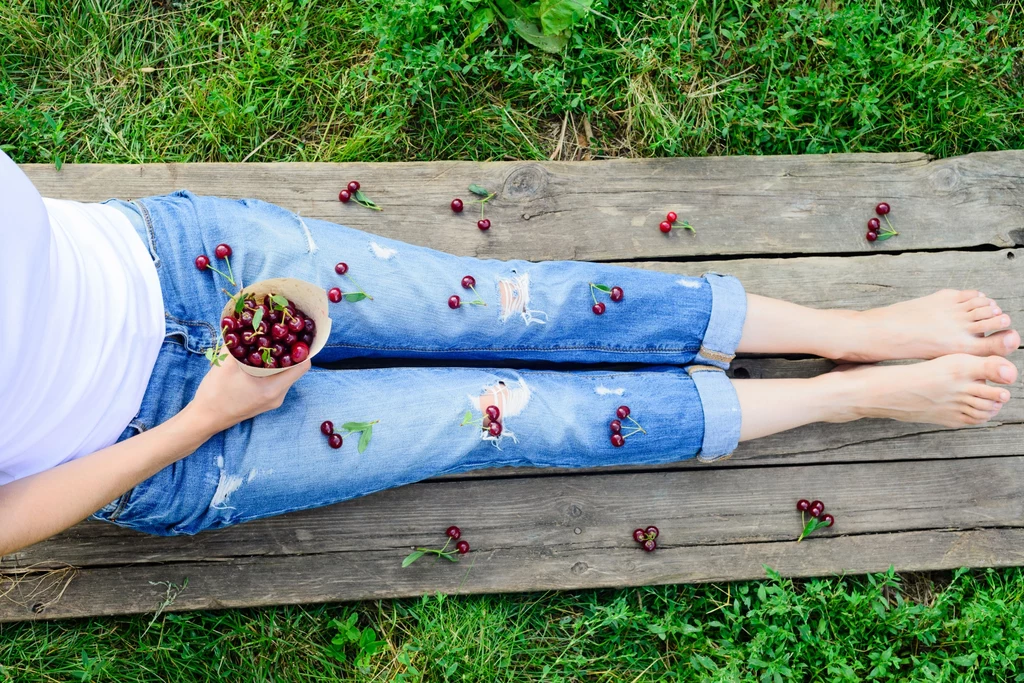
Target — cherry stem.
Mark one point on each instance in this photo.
(226, 277)
(231, 274)
(361, 291)
(592, 296)
(630, 418)
(892, 230)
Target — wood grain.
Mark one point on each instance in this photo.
(554, 532)
(913, 496)
(603, 210)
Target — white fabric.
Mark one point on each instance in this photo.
(81, 324)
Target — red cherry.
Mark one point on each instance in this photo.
(639, 536)
(622, 412)
(665, 227)
(239, 351)
(353, 186)
(232, 340)
(616, 294)
(335, 441)
(228, 324)
(618, 440)
(222, 251)
(285, 361)
(650, 545)
(616, 426)
(484, 224)
(874, 224)
(598, 308)
(202, 262)
(872, 235)
(334, 294)
(468, 282)
(453, 532)
(671, 216)
(299, 352)
(344, 196)
(270, 362)
(457, 205)
(296, 323)
(306, 339)
(652, 531)
(326, 427)
(277, 350)
(803, 505)
(255, 359)
(828, 519)
(882, 209)
(291, 339)
(493, 412)
(279, 331)
(309, 326)
(462, 547)
(494, 429)
(341, 268)
(454, 301)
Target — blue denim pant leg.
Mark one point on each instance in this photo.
(426, 422)
(280, 462)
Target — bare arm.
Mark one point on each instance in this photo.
(36, 507)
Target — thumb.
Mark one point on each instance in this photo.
(283, 380)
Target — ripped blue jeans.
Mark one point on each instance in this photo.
(427, 421)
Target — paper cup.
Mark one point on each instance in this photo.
(308, 298)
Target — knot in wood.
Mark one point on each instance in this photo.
(579, 568)
(575, 510)
(525, 181)
(945, 179)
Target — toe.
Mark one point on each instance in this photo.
(989, 310)
(997, 344)
(983, 405)
(975, 417)
(965, 295)
(999, 370)
(990, 393)
(999, 322)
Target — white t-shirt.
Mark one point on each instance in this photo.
(81, 324)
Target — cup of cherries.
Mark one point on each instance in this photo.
(273, 324)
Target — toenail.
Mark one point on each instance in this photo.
(996, 310)
(1005, 396)
(1005, 373)
(1008, 343)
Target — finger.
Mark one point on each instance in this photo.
(292, 374)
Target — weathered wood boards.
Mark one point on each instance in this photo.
(606, 210)
(558, 532)
(914, 496)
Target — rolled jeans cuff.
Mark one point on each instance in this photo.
(725, 326)
(721, 406)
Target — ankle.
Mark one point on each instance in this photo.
(843, 397)
(842, 334)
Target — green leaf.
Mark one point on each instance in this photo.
(603, 288)
(239, 303)
(412, 557)
(265, 354)
(479, 22)
(365, 201)
(451, 557)
(687, 226)
(479, 190)
(257, 318)
(364, 440)
(531, 33)
(355, 296)
(355, 426)
(559, 16)
(883, 236)
(280, 301)
(467, 418)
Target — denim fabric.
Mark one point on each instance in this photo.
(279, 462)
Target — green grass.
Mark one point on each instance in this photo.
(868, 628)
(233, 80)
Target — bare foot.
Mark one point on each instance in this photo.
(950, 391)
(948, 321)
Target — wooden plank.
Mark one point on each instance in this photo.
(553, 533)
(602, 210)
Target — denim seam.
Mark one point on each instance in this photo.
(686, 349)
(196, 323)
(150, 231)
